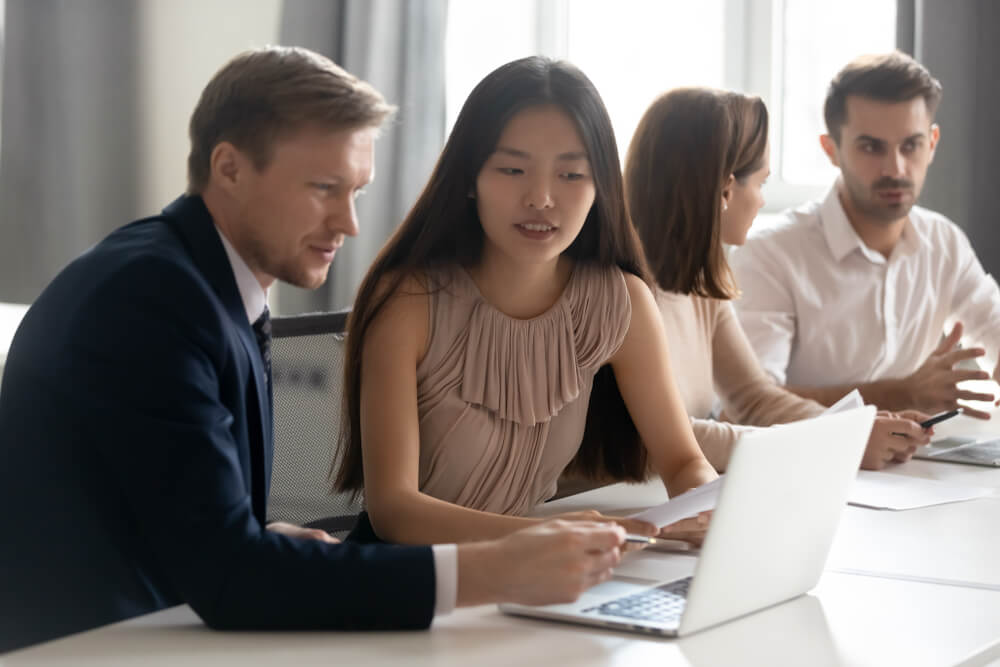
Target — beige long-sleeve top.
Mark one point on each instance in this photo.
(710, 356)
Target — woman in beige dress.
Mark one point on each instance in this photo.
(507, 330)
(693, 178)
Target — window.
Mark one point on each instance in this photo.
(786, 51)
(809, 58)
(631, 49)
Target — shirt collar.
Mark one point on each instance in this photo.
(842, 239)
(840, 235)
(253, 295)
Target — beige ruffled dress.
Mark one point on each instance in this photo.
(503, 401)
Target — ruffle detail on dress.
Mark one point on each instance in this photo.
(527, 370)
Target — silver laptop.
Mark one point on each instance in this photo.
(777, 512)
(980, 450)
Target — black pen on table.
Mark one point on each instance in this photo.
(936, 419)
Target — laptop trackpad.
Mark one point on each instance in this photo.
(638, 572)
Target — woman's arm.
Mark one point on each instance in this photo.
(717, 438)
(749, 395)
(642, 370)
(395, 343)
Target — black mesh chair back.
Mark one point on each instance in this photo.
(307, 363)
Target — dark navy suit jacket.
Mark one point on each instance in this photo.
(135, 458)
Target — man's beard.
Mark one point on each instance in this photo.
(288, 271)
(300, 277)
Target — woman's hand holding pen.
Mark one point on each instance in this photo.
(633, 526)
(691, 530)
(894, 437)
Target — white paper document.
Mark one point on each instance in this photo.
(875, 490)
(849, 401)
(689, 503)
(881, 490)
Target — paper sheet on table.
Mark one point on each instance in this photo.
(687, 504)
(874, 490)
(851, 400)
(880, 490)
(871, 489)
(704, 497)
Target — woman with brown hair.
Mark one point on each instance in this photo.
(505, 327)
(693, 178)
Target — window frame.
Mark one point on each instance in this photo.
(753, 63)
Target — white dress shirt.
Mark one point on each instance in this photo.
(821, 308)
(445, 555)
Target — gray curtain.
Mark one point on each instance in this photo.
(957, 42)
(68, 152)
(397, 46)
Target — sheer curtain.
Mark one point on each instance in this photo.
(68, 152)
(398, 46)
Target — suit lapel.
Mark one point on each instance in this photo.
(197, 229)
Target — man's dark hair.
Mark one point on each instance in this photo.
(889, 77)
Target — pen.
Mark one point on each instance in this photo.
(640, 539)
(936, 419)
(940, 417)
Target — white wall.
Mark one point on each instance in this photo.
(185, 42)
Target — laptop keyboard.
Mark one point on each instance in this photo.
(983, 453)
(663, 604)
(980, 453)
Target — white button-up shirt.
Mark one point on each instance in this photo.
(821, 308)
(252, 293)
(254, 298)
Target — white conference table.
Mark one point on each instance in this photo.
(846, 620)
(957, 543)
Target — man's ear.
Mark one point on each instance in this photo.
(934, 138)
(228, 167)
(830, 148)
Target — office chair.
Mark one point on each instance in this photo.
(307, 362)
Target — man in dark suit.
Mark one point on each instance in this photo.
(135, 415)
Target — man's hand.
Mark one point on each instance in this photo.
(548, 563)
(996, 378)
(934, 386)
(894, 437)
(291, 530)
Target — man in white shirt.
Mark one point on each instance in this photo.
(857, 290)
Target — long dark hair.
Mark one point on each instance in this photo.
(443, 229)
(688, 143)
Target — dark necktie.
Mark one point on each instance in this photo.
(262, 331)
